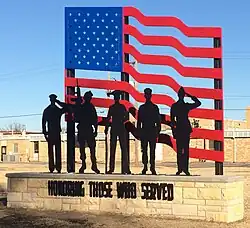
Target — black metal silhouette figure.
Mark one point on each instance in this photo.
(86, 116)
(52, 117)
(149, 127)
(70, 109)
(119, 115)
(182, 129)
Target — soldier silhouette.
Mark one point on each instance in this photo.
(149, 127)
(119, 115)
(182, 129)
(52, 117)
(87, 118)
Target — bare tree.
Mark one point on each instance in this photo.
(15, 127)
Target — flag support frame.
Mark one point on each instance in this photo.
(218, 104)
(70, 129)
(214, 73)
(125, 77)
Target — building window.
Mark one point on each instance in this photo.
(15, 147)
(211, 144)
(36, 147)
(3, 152)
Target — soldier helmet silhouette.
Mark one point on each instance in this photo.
(148, 93)
(88, 96)
(181, 93)
(115, 93)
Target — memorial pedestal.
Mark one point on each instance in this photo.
(215, 198)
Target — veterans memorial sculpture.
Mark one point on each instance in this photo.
(97, 39)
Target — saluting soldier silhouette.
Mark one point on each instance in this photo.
(149, 127)
(119, 116)
(87, 118)
(182, 129)
(52, 118)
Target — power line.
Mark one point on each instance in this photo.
(225, 97)
(225, 109)
(238, 96)
(50, 67)
(28, 115)
(14, 76)
(57, 65)
(39, 114)
(17, 116)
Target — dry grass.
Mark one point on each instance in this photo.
(31, 218)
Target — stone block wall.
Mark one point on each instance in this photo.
(218, 199)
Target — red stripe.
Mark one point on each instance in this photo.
(205, 32)
(193, 152)
(172, 42)
(170, 82)
(197, 72)
(212, 155)
(156, 98)
(197, 133)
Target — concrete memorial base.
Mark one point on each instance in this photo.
(216, 198)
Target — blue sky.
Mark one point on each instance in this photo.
(32, 51)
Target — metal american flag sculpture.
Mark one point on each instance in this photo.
(97, 38)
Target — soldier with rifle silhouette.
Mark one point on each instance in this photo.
(182, 129)
(148, 127)
(51, 127)
(86, 116)
(119, 115)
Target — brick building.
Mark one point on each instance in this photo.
(32, 147)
